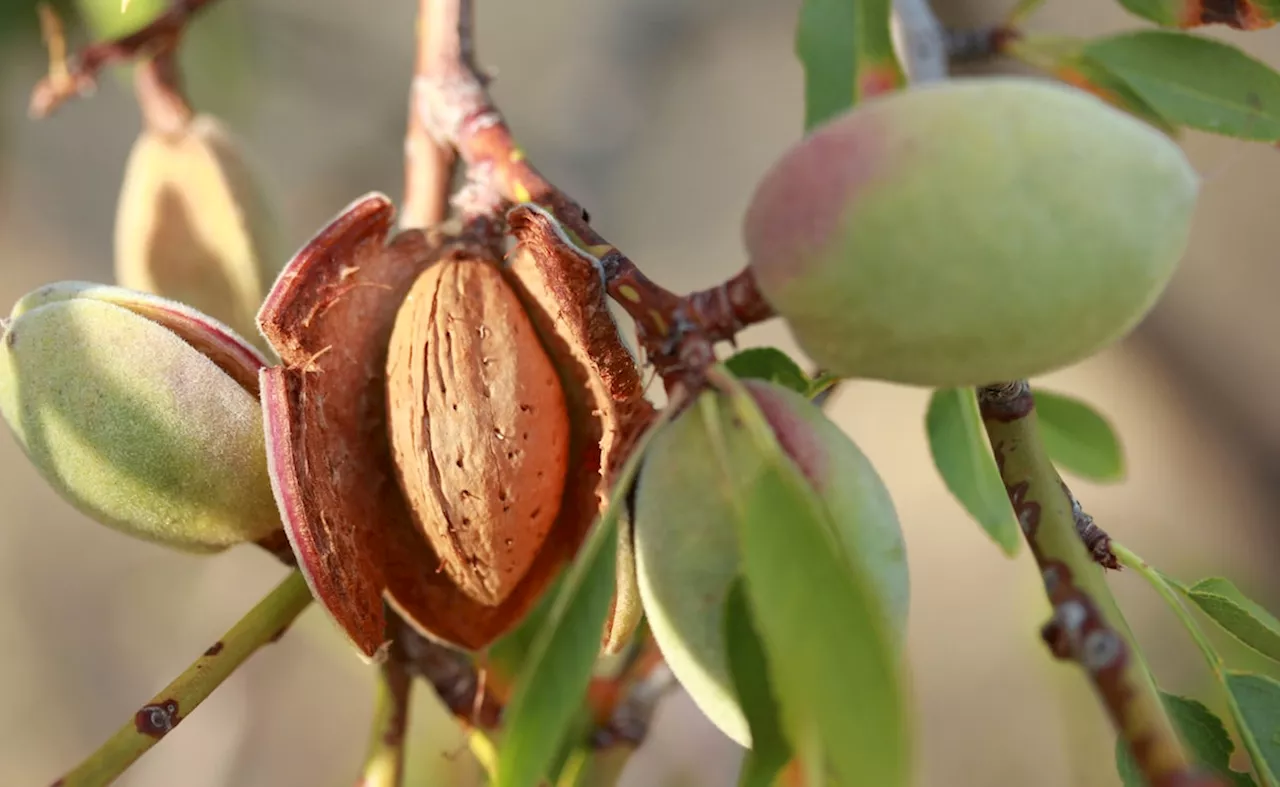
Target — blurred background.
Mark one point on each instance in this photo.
(658, 115)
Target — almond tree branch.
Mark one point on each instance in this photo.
(453, 104)
(428, 165)
(66, 81)
(265, 623)
(1086, 626)
(450, 672)
(621, 706)
(384, 758)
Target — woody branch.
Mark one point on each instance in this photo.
(451, 98)
(1085, 626)
(79, 76)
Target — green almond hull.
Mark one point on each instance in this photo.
(970, 232)
(686, 543)
(134, 427)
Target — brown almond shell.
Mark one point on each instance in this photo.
(564, 296)
(329, 317)
(564, 292)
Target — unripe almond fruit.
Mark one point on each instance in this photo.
(970, 232)
(191, 224)
(686, 539)
(137, 411)
(478, 425)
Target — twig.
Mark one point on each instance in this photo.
(623, 706)
(384, 758)
(265, 623)
(455, 106)
(68, 81)
(451, 673)
(158, 87)
(428, 165)
(979, 44)
(1085, 625)
(628, 725)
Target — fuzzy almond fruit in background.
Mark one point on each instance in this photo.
(970, 232)
(478, 425)
(140, 412)
(686, 540)
(191, 224)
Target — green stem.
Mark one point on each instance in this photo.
(384, 758)
(1131, 561)
(1171, 597)
(264, 624)
(1086, 625)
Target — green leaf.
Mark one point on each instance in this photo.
(1240, 616)
(509, 651)
(1203, 733)
(748, 667)
(964, 460)
(1258, 698)
(548, 694)
(1078, 438)
(847, 52)
(1162, 12)
(1195, 81)
(769, 363)
(1064, 57)
(825, 630)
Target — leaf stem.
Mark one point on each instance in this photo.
(1166, 591)
(262, 625)
(384, 757)
(1086, 626)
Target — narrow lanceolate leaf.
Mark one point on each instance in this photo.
(963, 458)
(769, 363)
(1088, 74)
(1258, 700)
(1240, 14)
(557, 668)
(1203, 733)
(1239, 615)
(1078, 438)
(748, 666)
(1196, 82)
(508, 652)
(826, 636)
(847, 52)
(1064, 57)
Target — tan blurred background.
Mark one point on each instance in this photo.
(658, 115)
